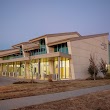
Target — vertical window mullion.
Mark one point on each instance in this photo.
(65, 68)
(57, 48)
(61, 48)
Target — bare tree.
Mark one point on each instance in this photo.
(93, 69)
(103, 67)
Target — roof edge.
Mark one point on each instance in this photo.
(55, 34)
(19, 44)
(61, 34)
(89, 36)
(97, 35)
(8, 49)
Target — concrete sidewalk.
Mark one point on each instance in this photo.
(4, 80)
(33, 100)
(10, 80)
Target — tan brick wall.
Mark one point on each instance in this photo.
(1, 59)
(72, 74)
(81, 50)
(49, 49)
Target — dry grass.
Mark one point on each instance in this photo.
(23, 90)
(93, 101)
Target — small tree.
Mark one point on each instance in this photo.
(93, 69)
(103, 67)
(31, 67)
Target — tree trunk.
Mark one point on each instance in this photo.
(94, 75)
(31, 69)
(32, 74)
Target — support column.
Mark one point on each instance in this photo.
(7, 70)
(13, 66)
(51, 69)
(71, 70)
(51, 66)
(25, 70)
(15, 70)
(65, 68)
(59, 68)
(31, 71)
(38, 69)
(0, 69)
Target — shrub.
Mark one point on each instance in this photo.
(107, 76)
(20, 82)
(97, 78)
(23, 82)
(50, 78)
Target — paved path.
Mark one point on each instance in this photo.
(33, 100)
(7, 80)
(10, 80)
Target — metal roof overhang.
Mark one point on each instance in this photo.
(9, 52)
(49, 55)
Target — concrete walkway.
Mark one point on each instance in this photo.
(33, 100)
(8, 80)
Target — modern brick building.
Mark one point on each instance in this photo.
(63, 55)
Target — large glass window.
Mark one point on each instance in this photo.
(44, 68)
(61, 48)
(4, 67)
(10, 68)
(21, 51)
(64, 67)
(18, 55)
(41, 50)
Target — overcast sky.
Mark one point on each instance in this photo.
(21, 20)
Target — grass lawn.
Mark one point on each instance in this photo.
(23, 90)
(93, 101)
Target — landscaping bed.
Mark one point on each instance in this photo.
(39, 88)
(93, 101)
